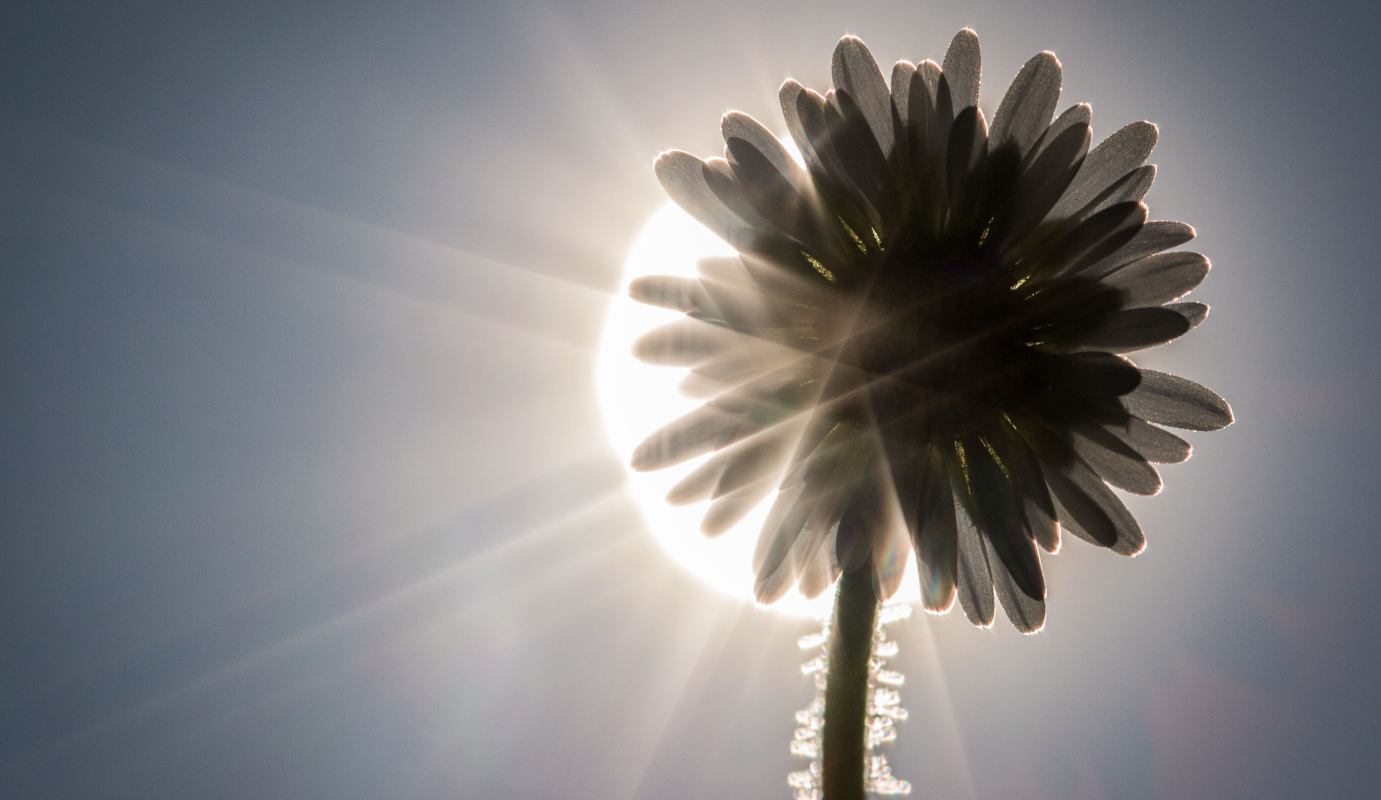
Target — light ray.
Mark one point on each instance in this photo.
(578, 68)
(383, 575)
(279, 233)
(361, 620)
(934, 675)
(705, 645)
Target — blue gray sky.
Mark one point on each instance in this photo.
(304, 490)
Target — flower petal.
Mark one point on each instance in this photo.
(775, 399)
(1151, 238)
(1159, 278)
(1132, 329)
(929, 72)
(1114, 157)
(719, 176)
(1194, 313)
(756, 459)
(856, 72)
(1030, 101)
(1129, 188)
(1114, 461)
(1090, 241)
(830, 175)
(1040, 186)
(1101, 375)
(1156, 445)
(1089, 510)
(804, 517)
(820, 573)
(822, 526)
(1024, 470)
(935, 535)
(822, 442)
(789, 96)
(1177, 402)
(1077, 114)
(739, 307)
(744, 366)
(891, 552)
(668, 291)
(903, 73)
(1026, 613)
(779, 533)
(1083, 503)
(682, 176)
(703, 430)
(967, 153)
(864, 162)
(962, 69)
(998, 513)
(738, 125)
(928, 133)
(782, 199)
(727, 511)
(699, 483)
(684, 342)
(973, 580)
(862, 527)
(707, 190)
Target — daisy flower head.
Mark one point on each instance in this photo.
(922, 344)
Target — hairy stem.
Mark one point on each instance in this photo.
(846, 687)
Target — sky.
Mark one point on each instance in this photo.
(305, 490)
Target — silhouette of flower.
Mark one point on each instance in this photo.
(919, 346)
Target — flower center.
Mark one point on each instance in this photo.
(940, 344)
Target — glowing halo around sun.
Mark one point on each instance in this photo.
(637, 399)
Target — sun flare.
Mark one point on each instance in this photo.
(637, 398)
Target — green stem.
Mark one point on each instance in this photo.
(846, 686)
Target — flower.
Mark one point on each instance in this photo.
(921, 343)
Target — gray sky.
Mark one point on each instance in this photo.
(304, 488)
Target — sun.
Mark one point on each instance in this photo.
(638, 398)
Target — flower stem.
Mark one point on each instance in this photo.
(846, 687)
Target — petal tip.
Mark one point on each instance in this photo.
(711, 528)
(767, 592)
(669, 161)
(940, 609)
(681, 495)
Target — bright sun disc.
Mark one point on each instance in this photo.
(637, 399)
